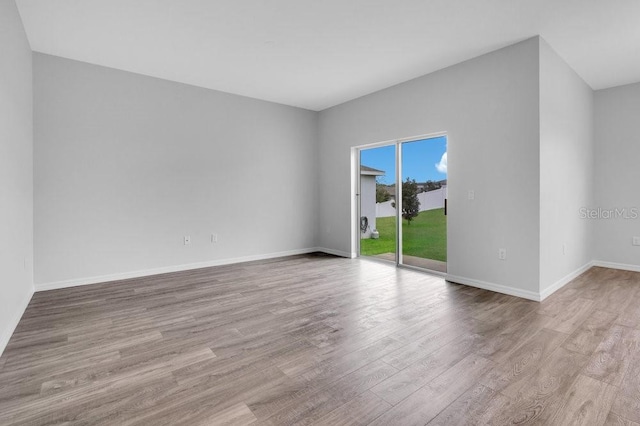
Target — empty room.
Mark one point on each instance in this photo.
(294, 212)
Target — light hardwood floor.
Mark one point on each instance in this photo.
(322, 340)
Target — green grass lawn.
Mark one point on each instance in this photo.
(425, 237)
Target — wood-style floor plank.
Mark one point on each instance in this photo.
(315, 339)
(360, 411)
(539, 396)
(627, 402)
(533, 354)
(479, 405)
(238, 414)
(616, 420)
(586, 338)
(576, 312)
(426, 403)
(412, 378)
(587, 403)
(610, 361)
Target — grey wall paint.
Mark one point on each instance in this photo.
(126, 165)
(567, 168)
(617, 130)
(489, 106)
(16, 170)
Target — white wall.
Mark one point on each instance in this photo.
(126, 165)
(16, 171)
(489, 107)
(617, 130)
(368, 202)
(567, 169)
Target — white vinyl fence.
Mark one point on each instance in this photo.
(428, 201)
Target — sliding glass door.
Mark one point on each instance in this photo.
(402, 199)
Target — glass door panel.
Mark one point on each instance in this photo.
(423, 193)
(376, 196)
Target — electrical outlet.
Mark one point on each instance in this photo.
(214, 238)
(564, 249)
(502, 254)
(472, 194)
(636, 241)
(187, 240)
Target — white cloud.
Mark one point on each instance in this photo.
(442, 165)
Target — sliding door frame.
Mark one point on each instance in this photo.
(355, 193)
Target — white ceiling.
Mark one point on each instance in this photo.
(318, 53)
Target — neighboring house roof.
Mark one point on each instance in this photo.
(365, 170)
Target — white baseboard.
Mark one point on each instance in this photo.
(8, 331)
(613, 265)
(498, 288)
(564, 281)
(175, 268)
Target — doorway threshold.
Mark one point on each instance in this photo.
(417, 262)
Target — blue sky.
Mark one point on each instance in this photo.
(419, 160)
